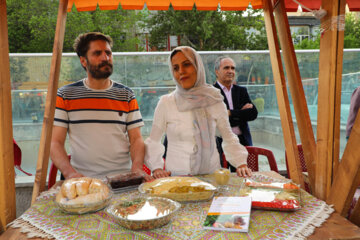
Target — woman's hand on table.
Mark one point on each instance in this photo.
(159, 173)
(147, 177)
(243, 171)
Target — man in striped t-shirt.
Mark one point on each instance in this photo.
(101, 116)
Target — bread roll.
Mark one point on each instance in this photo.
(96, 186)
(68, 189)
(82, 186)
(60, 198)
(86, 199)
(82, 191)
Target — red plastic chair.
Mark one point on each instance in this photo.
(253, 158)
(302, 163)
(302, 160)
(53, 174)
(224, 162)
(146, 170)
(17, 158)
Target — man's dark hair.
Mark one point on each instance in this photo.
(82, 42)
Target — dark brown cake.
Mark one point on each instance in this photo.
(125, 179)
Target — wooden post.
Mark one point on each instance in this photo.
(328, 122)
(347, 178)
(297, 92)
(7, 172)
(45, 140)
(338, 82)
(282, 96)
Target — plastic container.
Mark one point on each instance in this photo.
(83, 195)
(143, 213)
(125, 180)
(273, 195)
(85, 207)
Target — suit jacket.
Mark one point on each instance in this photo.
(240, 117)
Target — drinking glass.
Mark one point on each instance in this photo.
(222, 177)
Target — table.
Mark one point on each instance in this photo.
(335, 227)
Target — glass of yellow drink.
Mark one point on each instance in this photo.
(222, 177)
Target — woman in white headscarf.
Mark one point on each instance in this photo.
(189, 116)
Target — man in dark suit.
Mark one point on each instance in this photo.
(237, 100)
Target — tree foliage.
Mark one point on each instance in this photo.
(351, 35)
(209, 30)
(18, 15)
(31, 26)
(352, 31)
(309, 43)
(18, 71)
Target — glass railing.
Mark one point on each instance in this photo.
(149, 76)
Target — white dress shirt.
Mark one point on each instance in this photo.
(228, 96)
(179, 129)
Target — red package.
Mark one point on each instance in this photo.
(273, 195)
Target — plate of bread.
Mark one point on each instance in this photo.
(83, 195)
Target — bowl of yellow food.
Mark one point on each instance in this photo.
(182, 189)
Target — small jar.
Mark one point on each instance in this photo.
(222, 176)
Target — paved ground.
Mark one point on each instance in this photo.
(279, 157)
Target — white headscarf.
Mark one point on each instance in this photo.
(196, 99)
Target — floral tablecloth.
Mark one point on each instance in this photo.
(44, 219)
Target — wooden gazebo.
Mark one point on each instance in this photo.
(331, 180)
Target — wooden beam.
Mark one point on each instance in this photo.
(347, 178)
(297, 91)
(282, 96)
(328, 120)
(45, 140)
(338, 83)
(7, 172)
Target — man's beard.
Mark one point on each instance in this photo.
(96, 71)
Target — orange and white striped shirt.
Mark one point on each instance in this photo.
(97, 122)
